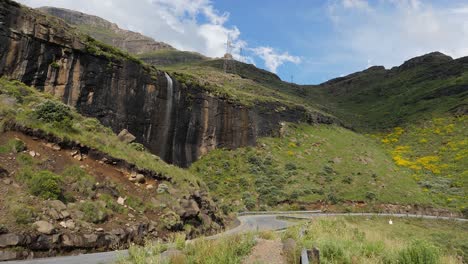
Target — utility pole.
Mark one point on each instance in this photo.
(229, 63)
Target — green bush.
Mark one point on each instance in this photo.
(371, 196)
(51, 111)
(93, 212)
(419, 252)
(24, 214)
(171, 221)
(46, 184)
(465, 212)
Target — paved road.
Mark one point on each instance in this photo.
(248, 223)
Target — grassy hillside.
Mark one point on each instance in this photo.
(424, 87)
(436, 152)
(309, 164)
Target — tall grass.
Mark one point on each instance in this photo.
(361, 240)
(229, 250)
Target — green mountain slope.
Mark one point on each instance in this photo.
(375, 99)
(309, 165)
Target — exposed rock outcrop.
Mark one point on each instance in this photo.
(175, 121)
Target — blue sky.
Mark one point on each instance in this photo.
(312, 40)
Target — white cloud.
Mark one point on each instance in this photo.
(358, 4)
(396, 30)
(193, 25)
(274, 59)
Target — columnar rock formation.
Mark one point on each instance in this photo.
(175, 121)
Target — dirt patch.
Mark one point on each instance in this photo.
(266, 251)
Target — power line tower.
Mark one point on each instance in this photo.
(229, 63)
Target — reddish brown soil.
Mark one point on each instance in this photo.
(57, 161)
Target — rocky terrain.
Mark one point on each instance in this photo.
(92, 116)
(177, 119)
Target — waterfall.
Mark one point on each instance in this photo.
(167, 116)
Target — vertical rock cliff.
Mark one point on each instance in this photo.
(176, 122)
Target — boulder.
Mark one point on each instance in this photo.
(42, 242)
(126, 136)
(149, 187)
(121, 200)
(57, 205)
(44, 227)
(8, 255)
(189, 208)
(10, 239)
(140, 178)
(7, 181)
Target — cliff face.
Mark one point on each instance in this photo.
(177, 122)
(108, 32)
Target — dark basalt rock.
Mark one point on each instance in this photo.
(175, 121)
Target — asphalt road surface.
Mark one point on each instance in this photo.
(262, 222)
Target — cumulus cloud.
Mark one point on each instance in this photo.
(396, 30)
(274, 59)
(193, 25)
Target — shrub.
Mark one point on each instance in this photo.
(332, 198)
(333, 252)
(419, 252)
(290, 166)
(250, 202)
(45, 184)
(171, 221)
(465, 212)
(23, 214)
(93, 212)
(137, 146)
(51, 111)
(82, 181)
(348, 180)
(371, 196)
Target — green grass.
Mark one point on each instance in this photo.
(169, 56)
(230, 249)
(306, 165)
(373, 240)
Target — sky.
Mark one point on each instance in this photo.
(304, 41)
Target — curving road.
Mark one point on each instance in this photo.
(257, 222)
